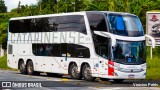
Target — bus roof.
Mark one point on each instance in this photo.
(71, 13)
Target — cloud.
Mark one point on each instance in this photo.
(11, 4)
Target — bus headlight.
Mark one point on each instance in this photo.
(144, 66)
(117, 67)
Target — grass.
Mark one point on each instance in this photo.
(153, 68)
(3, 63)
(153, 65)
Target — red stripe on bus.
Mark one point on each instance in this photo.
(110, 70)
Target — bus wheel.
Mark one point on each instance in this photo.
(118, 80)
(74, 72)
(30, 69)
(22, 67)
(86, 73)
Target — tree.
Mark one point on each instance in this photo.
(3, 8)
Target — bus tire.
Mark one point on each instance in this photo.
(22, 67)
(118, 80)
(86, 73)
(74, 72)
(30, 68)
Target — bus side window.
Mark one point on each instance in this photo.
(70, 23)
(10, 49)
(56, 50)
(97, 22)
(82, 52)
(77, 51)
(102, 46)
(71, 50)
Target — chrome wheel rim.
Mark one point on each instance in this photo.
(75, 71)
(87, 72)
(30, 68)
(22, 67)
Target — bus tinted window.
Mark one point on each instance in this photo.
(49, 24)
(102, 46)
(97, 22)
(61, 50)
(68, 23)
(79, 51)
(15, 26)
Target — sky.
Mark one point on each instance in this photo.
(11, 4)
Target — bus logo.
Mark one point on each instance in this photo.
(6, 84)
(129, 59)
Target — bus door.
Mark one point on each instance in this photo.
(104, 52)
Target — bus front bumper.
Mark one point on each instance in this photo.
(125, 75)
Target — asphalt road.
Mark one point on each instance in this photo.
(15, 80)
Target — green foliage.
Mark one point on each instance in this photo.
(4, 18)
(153, 66)
(3, 8)
(3, 62)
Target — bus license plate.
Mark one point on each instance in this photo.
(131, 76)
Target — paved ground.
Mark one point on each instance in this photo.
(17, 80)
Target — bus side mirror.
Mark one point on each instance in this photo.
(152, 40)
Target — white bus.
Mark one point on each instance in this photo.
(108, 45)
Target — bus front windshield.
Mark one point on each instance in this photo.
(125, 25)
(129, 52)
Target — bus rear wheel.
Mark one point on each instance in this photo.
(22, 67)
(73, 71)
(86, 73)
(30, 68)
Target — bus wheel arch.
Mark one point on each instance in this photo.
(22, 66)
(86, 72)
(73, 71)
(30, 67)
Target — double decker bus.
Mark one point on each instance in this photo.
(88, 44)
